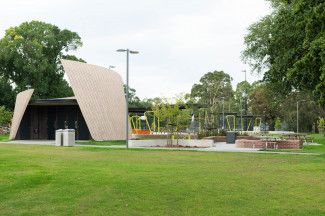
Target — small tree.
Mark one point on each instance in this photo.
(321, 125)
(278, 124)
(5, 116)
(173, 117)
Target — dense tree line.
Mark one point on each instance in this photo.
(289, 47)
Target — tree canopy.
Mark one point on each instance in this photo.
(30, 56)
(213, 86)
(289, 46)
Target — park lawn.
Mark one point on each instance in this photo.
(102, 143)
(317, 138)
(4, 137)
(48, 180)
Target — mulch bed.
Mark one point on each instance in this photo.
(178, 146)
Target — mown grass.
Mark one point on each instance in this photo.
(102, 143)
(4, 137)
(47, 180)
(317, 138)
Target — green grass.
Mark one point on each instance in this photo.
(47, 180)
(4, 137)
(102, 143)
(317, 138)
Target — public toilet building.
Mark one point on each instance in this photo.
(95, 112)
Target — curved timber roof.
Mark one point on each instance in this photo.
(22, 101)
(100, 95)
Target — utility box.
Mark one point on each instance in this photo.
(59, 137)
(231, 137)
(69, 137)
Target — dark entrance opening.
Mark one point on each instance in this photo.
(43, 117)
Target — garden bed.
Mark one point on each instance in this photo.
(171, 143)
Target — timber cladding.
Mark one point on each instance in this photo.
(100, 95)
(22, 101)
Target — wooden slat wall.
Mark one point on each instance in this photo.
(22, 101)
(100, 95)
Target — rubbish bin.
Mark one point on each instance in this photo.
(231, 137)
(59, 137)
(68, 137)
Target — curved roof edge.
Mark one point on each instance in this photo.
(100, 95)
(22, 101)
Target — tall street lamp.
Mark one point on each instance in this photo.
(223, 113)
(245, 97)
(128, 52)
(298, 114)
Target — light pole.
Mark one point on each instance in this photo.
(298, 114)
(241, 115)
(223, 113)
(128, 52)
(245, 97)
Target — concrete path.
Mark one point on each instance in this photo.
(218, 147)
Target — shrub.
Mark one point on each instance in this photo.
(5, 116)
(321, 125)
(278, 124)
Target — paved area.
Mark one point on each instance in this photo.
(31, 142)
(218, 147)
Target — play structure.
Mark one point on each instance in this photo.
(148, 123)
(229, 121)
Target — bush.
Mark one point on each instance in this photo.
(5, 116)
(277, 124)
(321, 125)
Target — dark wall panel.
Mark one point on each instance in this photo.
(40, 122)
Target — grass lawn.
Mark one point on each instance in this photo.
(43, 180)
(317, 138)
(4, 137)
(102, 143)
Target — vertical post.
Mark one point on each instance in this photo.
(297, 116)
(127, 99)
(223, 113)
(241, 116)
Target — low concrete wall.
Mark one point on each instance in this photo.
(223, 138)
(163, 142)
(259, 144)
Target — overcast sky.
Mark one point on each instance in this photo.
(178, 40)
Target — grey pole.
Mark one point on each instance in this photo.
(297, 116)
(223, 113)
(128, 51)
(241, 115)
(246, 95)
(127, 99)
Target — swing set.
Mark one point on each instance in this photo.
(149, 123)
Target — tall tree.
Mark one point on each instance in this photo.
(213, 86)
(241, 95)
(289, 45)
(30, 56)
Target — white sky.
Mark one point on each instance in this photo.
(178, 40)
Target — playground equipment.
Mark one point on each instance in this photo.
(146, 124)
(155, 125)
(229, 118)
(232, 121)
